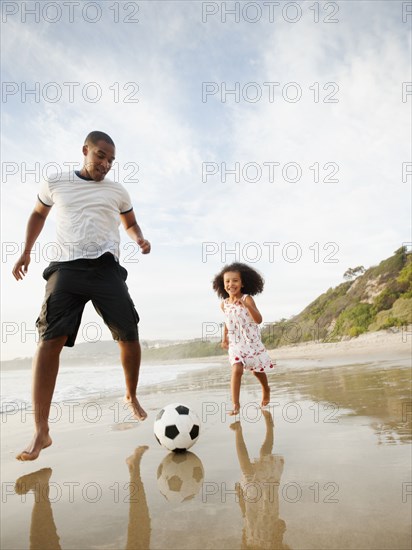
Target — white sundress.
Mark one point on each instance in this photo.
(245, 345)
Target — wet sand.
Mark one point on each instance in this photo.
(326, 466)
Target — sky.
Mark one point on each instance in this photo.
(271, 133)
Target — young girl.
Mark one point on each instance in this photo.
(237, 283)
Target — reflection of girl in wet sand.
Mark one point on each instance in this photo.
(258, 492)
(43, 533)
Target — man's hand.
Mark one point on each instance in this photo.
(21, 266)
(135, 233)
(145, 246)
(34, 226)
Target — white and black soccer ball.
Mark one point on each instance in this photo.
(177, 427)
(180, 476)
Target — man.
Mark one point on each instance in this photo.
(89, 211)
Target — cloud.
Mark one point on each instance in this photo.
(166, 138)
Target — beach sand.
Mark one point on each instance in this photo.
(327, 465)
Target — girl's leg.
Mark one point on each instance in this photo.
(263, 379)
(267, 446)
(237, 372)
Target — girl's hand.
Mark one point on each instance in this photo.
(224, 344)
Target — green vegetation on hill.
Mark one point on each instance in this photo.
(380, 298)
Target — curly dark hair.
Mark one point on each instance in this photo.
(252, 281)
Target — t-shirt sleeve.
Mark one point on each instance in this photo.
(44, 195)
(125, 205)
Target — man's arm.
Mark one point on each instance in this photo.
(133, 230)
(33, 230)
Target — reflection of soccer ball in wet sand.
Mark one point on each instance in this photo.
(180, 476)
(177, 427)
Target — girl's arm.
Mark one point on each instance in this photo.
(225, 342)
(250, 305)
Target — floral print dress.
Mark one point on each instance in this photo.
(245, 345)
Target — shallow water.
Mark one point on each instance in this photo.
(326, 466)
(86, 381)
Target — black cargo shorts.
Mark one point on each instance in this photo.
(70, 285)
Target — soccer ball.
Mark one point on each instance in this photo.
(180, 476)
(177, 427)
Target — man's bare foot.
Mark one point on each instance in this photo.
(39, 442)
(133, 461)
(235, 410)
(33, 481)
(265, 397)
(135, 408)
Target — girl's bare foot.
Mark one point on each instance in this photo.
(135, 408)
(39, 442)
(265, 397)
(235, 410)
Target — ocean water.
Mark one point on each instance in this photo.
(86, 382)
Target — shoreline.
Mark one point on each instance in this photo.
(384, 342)
(396, 342)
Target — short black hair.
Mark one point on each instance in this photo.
(252, 281)
(96, 136)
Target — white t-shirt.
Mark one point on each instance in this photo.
(88, 214)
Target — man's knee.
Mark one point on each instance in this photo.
(54, 344)
(129, 346)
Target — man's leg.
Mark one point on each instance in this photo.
(112, 301)
(130, 354)
(45, 369)
(43, 532)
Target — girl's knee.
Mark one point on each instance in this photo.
(237, 368)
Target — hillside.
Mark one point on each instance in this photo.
(380, 298)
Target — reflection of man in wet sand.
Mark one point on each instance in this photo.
(43, 533)
(258, 492)
(138, 532)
